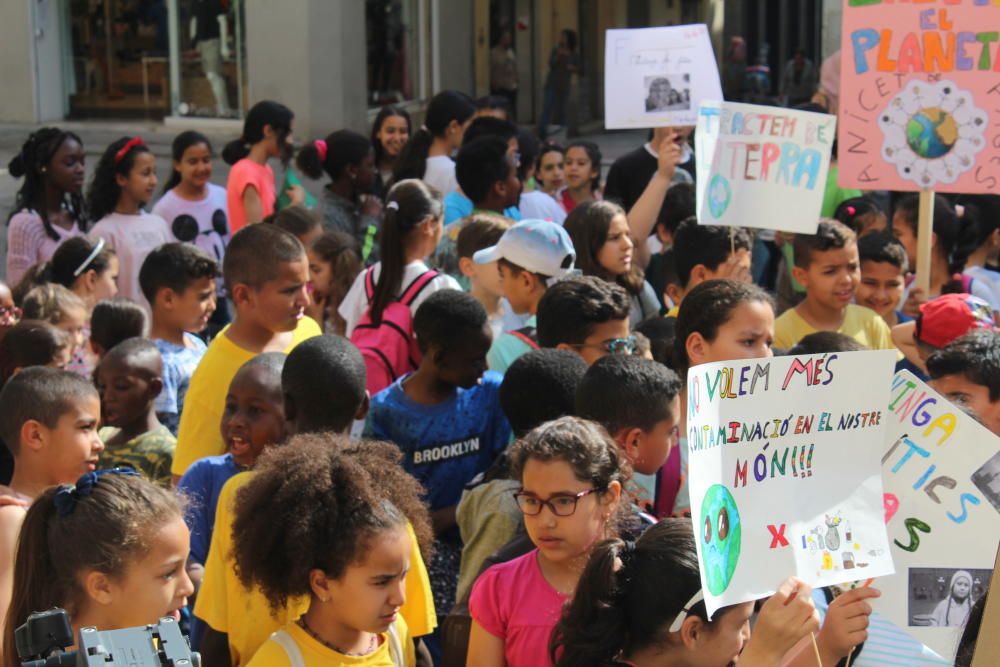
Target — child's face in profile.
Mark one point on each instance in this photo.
(320, 275)
(747, 334)
(881, 288)
(73, 322)
(517, 289)
(154, 584)
(653, 447)
(193, 307)
(464, 365)
(9, 313)
(279, 304)
(72, 446)
(369, 594)
(615, 256)
(254, 415)
(140, 183)
(902, 230)
(127, 393)
(832, 276)
(720, 644)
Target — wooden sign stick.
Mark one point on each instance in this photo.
(925, 229)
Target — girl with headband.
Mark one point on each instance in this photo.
(123, 184)
(49, 206)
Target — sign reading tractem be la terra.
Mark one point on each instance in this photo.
(920, 95)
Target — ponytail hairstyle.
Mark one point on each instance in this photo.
(408, 203)
(317, 503)
(182, 142)
(707, 307)
(860, 214)
(588, 225)
(446, 106)
(50, 302)
(388, 111)
(628, 597)
(115, 516)
(72, 259)
(341, 149)
(35, 155)
(30, 343)
(594, 153)
(276, 115)
(117, 160)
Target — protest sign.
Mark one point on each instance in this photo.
(784, 471)
(920, 96)
(762, 167)
(657, 77)
(941, 472)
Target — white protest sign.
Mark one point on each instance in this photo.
(657, 77)
(784, 461)
(762, 167)
(941, 472)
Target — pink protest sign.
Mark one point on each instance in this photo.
(920, 95)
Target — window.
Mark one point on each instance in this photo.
(393, 36)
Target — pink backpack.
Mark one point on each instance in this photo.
(388, 348)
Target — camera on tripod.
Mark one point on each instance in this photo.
(44, 637)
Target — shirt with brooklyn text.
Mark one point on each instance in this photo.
(445, 445)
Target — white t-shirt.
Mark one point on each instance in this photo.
(211, 214)
(538, 205)
(987, 278)
(354, 305)
(132, 237)
(440, 174)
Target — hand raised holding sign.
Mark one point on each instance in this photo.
(846, 624)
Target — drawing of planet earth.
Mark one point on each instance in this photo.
(719, 195)
(720, 534)
(931, 133)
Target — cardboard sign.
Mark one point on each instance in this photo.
(784, 471)
(920, 96)
(657, 77)
(761, 166)
(941, 472)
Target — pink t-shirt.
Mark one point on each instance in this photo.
(244, 173)
(28, 243)
(514, 602)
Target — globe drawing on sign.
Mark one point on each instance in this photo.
(719, 195)
(721, 532)
(932, 132)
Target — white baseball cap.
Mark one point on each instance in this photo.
(538, 246)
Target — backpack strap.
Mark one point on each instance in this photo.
(414, 289)
(527, 335)
(396, 653)
(292, 650)
(370, 284)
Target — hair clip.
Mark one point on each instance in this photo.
(851, 210)
(90, 258)
(392, 206)
(320, 145)
(69, 495)
(129, 145)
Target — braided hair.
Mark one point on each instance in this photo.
(36, 153)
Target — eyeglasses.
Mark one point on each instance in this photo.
(679, 621)
(625, 345)
(561, 505)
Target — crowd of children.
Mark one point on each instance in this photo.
(438, 419)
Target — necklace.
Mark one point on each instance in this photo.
(372, 645)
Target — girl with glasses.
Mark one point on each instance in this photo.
(571, 475)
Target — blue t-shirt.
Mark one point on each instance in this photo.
(201, 485)
(458, 206)
(179, 362)
(445, 445)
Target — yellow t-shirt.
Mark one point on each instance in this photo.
(245, 615)
(198, 435)
(315, 654)
(862, 324)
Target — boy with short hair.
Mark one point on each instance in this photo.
(179, 281)
(483, 230)
(323, 382)
(528, 256)
(883, 276)
(487, 174)
(828, 266)
(967, 371)
(266, 273)
(48, 420)
(586, 315)
(128, 379)
(637, 401)
(446, 419)
(709, 252)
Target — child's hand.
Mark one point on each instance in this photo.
(786, 617)
(669, 153)
(916, 298)
(371, 206)
(296, 194)
(846, 623)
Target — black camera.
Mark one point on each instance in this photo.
(42, 642)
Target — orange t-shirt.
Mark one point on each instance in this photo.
(244, 173)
